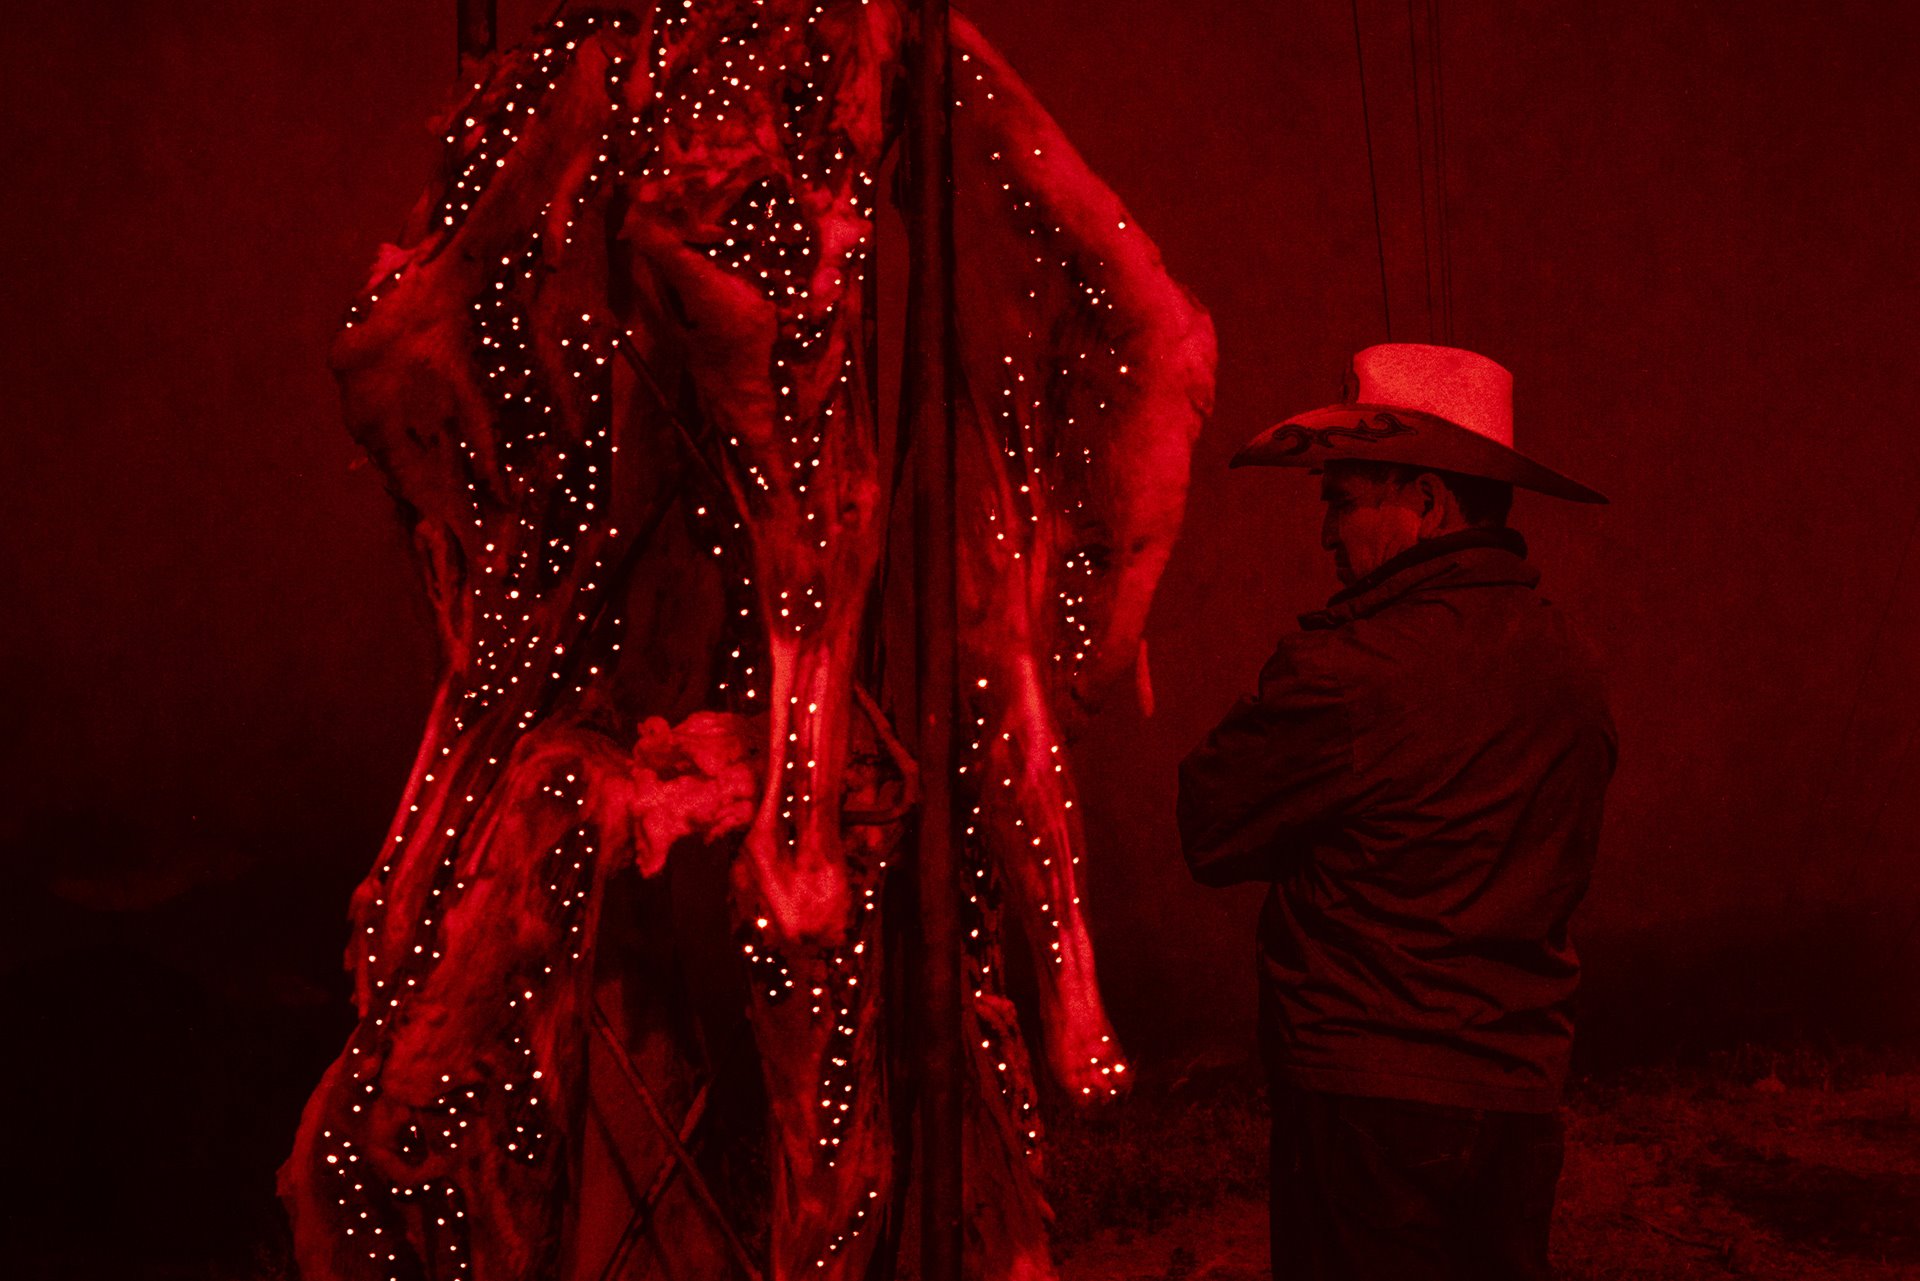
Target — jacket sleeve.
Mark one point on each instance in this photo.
(1278, 765)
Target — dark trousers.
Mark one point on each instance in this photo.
(1388, 1190)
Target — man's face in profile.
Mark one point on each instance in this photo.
(1369, 520)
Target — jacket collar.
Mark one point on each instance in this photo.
(1464, 558)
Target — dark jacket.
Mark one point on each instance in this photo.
(1420, 777)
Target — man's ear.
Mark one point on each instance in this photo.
(1439, 510)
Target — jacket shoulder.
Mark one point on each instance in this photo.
(1317, 661)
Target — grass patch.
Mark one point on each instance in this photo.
(1780, 1163)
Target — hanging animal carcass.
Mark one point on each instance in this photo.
(620, 380)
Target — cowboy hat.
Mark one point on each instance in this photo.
(1419, 405)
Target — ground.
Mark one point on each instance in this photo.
(1794, 1166)
(1764, 1164)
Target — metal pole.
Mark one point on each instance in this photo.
(929, 405)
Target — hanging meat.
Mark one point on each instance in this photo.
(619, 377)
(1087, 372)
(478, 372)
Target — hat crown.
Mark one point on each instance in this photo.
(1461, 386)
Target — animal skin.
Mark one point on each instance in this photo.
(619, 377)
(1087, 372)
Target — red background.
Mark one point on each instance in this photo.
(1687, 229)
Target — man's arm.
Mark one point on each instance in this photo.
(1279, 763)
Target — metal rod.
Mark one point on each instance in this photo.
(675, 1144)
(644, 1205)
(928, 405)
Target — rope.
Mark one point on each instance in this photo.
(1373, 179)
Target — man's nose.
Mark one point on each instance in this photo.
(1327, 540)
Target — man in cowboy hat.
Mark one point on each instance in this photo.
(1419, 777)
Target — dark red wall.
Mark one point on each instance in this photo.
(1687, 228)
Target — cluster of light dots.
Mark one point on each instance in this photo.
(537, 566)
(1021, 405)
(772, 77)
(768, 240)
(837, 995)
(771, 242)
(487, 137)
(713, 97)
(994, 790)
(439, 1208)
(773, 977)
(983, 749)
(745, 652)
(841, 1240)
(522, 1132)
(525, 1136)
(1053, 474)
(981, 920)
(832, 989)
(545, 455)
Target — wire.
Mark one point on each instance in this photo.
(1420, 163)
(1438, 80)
(1373, 179)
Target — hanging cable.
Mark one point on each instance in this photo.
(1373, 179)
(1420, 163)
(1438, 86)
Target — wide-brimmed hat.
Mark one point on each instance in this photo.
(1424, 406)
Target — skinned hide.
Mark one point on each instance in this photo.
(478, 373)
(747, 238)
(748, 231)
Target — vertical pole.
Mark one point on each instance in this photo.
(475, 22)
(929, 404)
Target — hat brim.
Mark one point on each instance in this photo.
(1390, 434)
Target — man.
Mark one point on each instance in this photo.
(1420, 778)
